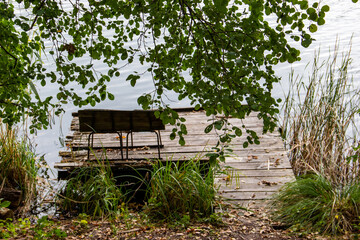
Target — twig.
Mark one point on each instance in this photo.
(130, 231)
(36, 16)
(11, 55)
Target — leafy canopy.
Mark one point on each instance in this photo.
(227, 48)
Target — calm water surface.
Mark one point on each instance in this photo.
(342, 24)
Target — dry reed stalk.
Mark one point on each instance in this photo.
(317, 124)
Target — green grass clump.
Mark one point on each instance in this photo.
(180, 192)
(18, 166)
(315, 204)
(92, 191)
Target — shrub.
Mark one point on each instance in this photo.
(92, 191)
(315, 204)
(179, 191)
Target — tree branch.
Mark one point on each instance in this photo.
(36, 16)
(11, 55)
(10, 103)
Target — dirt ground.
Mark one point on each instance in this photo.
(231, 224)
(235, 224)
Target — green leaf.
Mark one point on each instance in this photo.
(313, 28)
(303, 5)
(132, 78)
(111, 96)
(208, 128)
(124, 56)
(306, 42)
(212, 157)
(4, 204)
(181, 141)
(172, 135)
(238, 132)
(219, 124)
(326, 8)
(157, 114)
(183, 129)
(321, 21)
(267, 10)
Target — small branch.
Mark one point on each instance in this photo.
(10, 103)
(11, 55)
(36, 16)
(130, 231)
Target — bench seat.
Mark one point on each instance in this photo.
(94, 121)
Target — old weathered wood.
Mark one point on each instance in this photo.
(251, 175)
(12, 195)
(110, 121)
(6, 213)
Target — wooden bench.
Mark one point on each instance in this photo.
(115, 121)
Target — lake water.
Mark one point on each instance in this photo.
(342, 24)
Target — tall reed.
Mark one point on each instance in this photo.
(317, 125)
(18, 166)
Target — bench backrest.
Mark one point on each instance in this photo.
(108, 121)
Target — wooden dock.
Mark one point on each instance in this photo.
(253, 174)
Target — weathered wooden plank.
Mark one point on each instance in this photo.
(250, 195)
(234, 182)
(191, 139)
(249, 155)
(262, 182)
(119, 164)
(258, 163)
(236, 173)
(251, 188)
(268, 165)
(249, 204)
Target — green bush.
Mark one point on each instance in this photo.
(179, 191)
(315, 204)
(92, 191)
